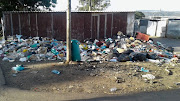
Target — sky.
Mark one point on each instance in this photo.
(128, 5)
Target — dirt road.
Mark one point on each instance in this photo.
(90, 82)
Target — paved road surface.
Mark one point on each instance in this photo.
(175, 43)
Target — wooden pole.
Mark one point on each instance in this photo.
(68, 32)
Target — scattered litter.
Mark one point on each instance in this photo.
(143, 70)
(120, 48)
(14, 75)
(18, 68)
(169, 71)
(113, 89)
(34, 72)
(149, 76)
(119, 80)
(123, 58)
(113, 60)
(23, 59)
(5, 59)
(178, 83)
(154, 61)
(11, 60)
(55, 72)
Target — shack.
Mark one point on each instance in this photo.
(161, 26)
(97, 24)
(173, 28)
(154, 26)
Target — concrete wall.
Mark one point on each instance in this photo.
(130, 23)
(173, 29)
(151, 28)
(161, 28)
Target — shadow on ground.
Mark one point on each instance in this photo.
(39, 74)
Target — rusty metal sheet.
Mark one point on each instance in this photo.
(102, 26)
(24, 24)
(44, 25)
(77, 25)
(7, 24)
(109, 24)
(32, 24)
(119, 22)
(87, 25)
(59, 25)
(15, 21)
(94, 27)
(53, 24)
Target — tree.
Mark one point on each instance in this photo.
(93, 5)
(139, 15)
(26, 5)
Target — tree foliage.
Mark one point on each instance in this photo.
(26, 5)
(95, 5)
(139, 15)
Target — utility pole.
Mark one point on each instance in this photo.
(90, 5)
(68, 33)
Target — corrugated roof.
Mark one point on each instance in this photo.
(71, 11)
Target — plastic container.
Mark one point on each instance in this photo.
(75, 50)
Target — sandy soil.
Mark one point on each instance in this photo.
(94, 78)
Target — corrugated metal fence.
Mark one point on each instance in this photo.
(53, 24)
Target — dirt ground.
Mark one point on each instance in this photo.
(94, 78)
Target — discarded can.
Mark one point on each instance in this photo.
(55, 72)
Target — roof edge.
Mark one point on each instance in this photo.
(71, 11)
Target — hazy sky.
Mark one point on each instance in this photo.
(129, 5)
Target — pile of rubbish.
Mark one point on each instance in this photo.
(124, 48)
(120, 49)
(32, 49)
